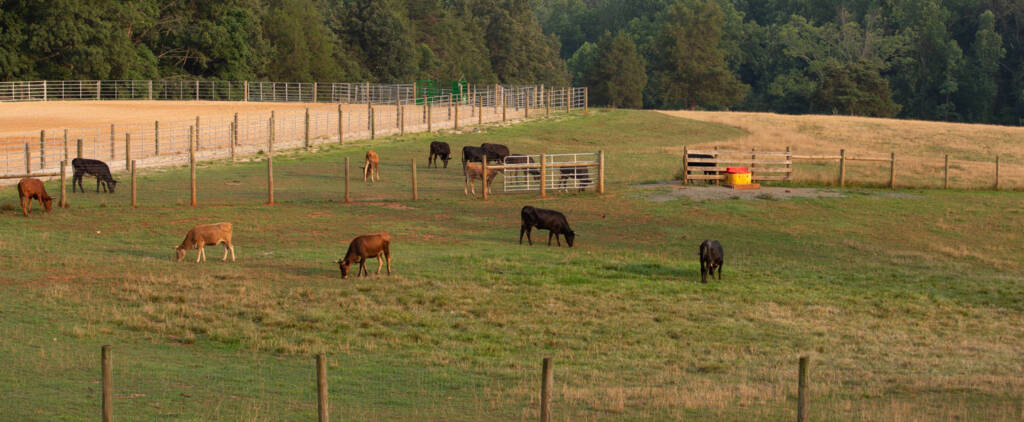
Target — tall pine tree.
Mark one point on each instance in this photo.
(617, 76)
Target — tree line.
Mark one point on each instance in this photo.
(955, 60)
(483, 41)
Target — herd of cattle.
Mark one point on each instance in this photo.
(368, 246)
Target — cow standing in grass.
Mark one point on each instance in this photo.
(474, 172)
(29, 189)
(552, 221)
(97, 168)
(439, 150)
(372, 166)
(495, 152)
(711, 257)
(206, 234)
(364, 247)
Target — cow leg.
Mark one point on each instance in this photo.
(719, 272)
(227, 247)
(25, 202)
(529, 229)
(380, 262)
(362, 267)
(522, 230)
(549, 237)
(445, 163)
(199, 254)
(703, 272)
(98, 185)
(232, 247)
(387, 256)
(558, 242)
(376, 169)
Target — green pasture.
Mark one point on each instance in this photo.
(909, 303)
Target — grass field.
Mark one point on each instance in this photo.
(910, 303)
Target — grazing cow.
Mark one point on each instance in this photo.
(711, 257)
(475, 171)
(439, 150)
(692, 164)
(581, 176)
(495, 152)
(552, 221)
(365, 247)
(372, 166)
(95, 168)
(206, 234)
(29, 189)
(522, 160)
(472, 154)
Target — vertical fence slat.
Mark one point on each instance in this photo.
(322, 409)
(108, 384)
(547, 379)
(802, 391)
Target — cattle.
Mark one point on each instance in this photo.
(691, 164)
(523, 160)
(439, 150)
(579, 175)
(711, 257)
(552, 221)
(372, 166)
(364, 247)
(29, 189)
(472, 154)
(495, 152)
(206, 234)
(94, 168)
(474, 171)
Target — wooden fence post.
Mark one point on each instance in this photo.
(568, 100)
(789, 163)
(341, 126)
(111, 142)
(79, 147)
(945, 178)
(479, 111)
(156, 137)
(315, 86)
(892, 171)
(401, 118)
(547, 379)
(127, 151)
(586, 100)
(415, 190)
(430, 118)
(270, 162)
(63, 190)
(305, 139)
(133, 184)
(149, 89)
(232, 134)
(42, 149)
(483, 178)
(600, 172)
(686, 165)
(234, 131)
(801, 406)
(192, 162)
(321, 388)
(842, 168)
(108, 384)
(526, 110)
(504, 109)
(997, 171)
(543, 175)
(547, 105)
(347, 199)
(198, 145)
(66, 157)
(28, 160)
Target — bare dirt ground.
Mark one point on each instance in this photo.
(670, 191)
(34, 116)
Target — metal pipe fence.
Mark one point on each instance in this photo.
(391, 109)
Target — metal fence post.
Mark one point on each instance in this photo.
(42, 149)
(111, 142)
(192, 163)
(543, 175)
(305, 142)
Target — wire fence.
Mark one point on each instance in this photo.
(389, 110)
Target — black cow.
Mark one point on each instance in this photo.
(471, 154)
(711, 257)
(95, 168)
(440, 150)
(692, 164)
(551, 220)
(580, 174)
(495, 152)
(521, 160)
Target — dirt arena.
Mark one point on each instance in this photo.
(35, 116)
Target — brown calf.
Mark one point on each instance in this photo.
(364, 247)
(372, 166)
(475, 171)
(29, 189)
(207, 234)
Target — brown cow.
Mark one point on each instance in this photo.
(29, 189)
(207, 234)
(371, 166)
(364, 247)
(475, 171)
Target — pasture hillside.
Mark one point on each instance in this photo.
(920, 147)
(908, 303)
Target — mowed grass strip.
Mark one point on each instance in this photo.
(909, 304)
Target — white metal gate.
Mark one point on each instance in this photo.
(564, 172)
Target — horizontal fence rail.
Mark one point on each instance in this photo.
(388, 110)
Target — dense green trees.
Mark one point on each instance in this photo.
(932, 59)
(616, 73)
